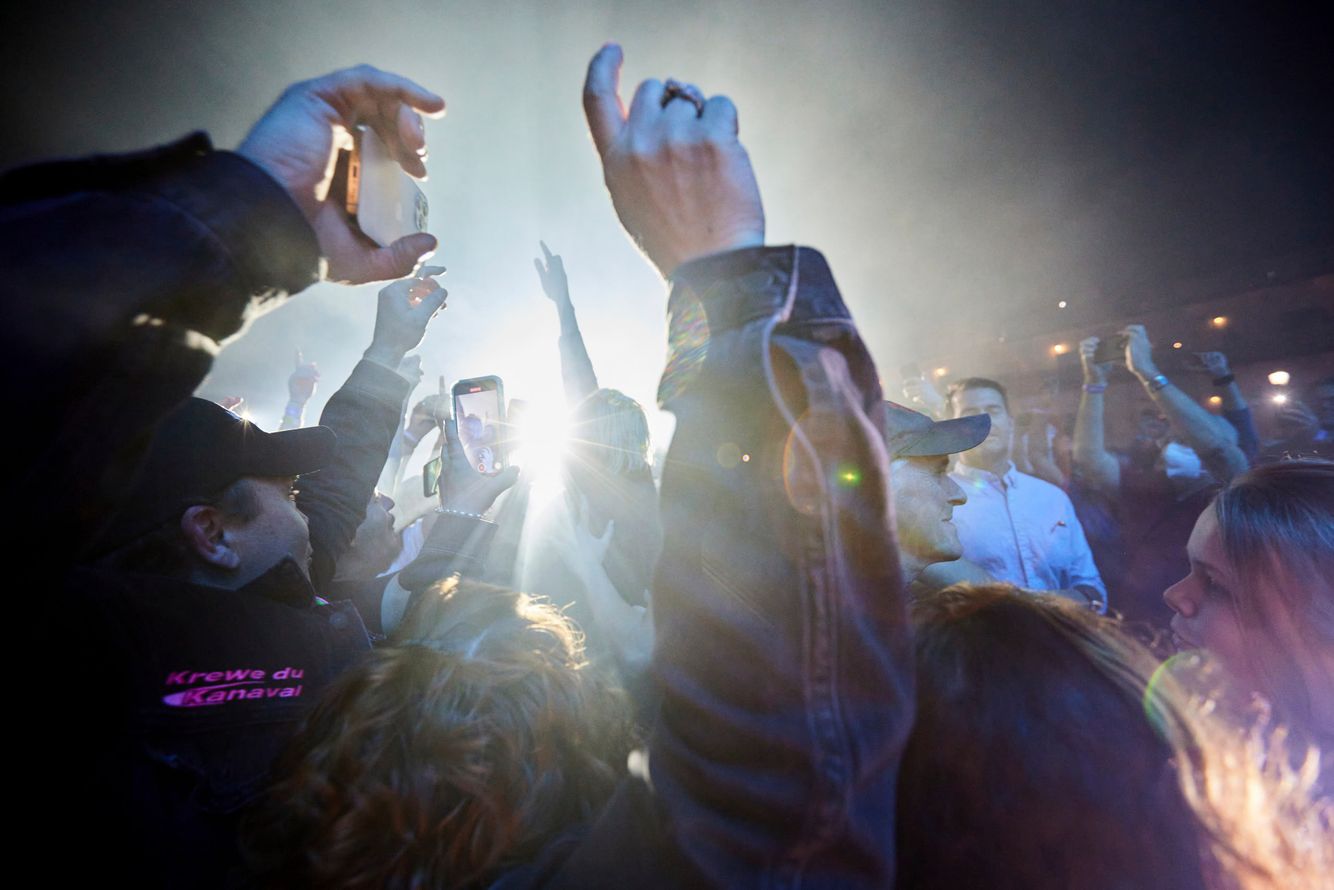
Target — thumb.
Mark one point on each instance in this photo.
(400, 258)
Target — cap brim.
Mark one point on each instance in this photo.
(949, 437)
(291, 452)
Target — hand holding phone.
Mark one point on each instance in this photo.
(479, 414)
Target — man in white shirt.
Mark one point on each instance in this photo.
(1014, 527)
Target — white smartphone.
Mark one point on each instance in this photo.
(384, 200)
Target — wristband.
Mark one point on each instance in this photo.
(294, 409)
(1095, 388)
(411, 439)
(1224, 380)
(458, 512)
(1157, 382)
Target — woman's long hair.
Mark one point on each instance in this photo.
(1051, 749)
(464, 748)
(1277, 527)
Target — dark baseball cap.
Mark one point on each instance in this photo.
(198, 450)
(910, 433)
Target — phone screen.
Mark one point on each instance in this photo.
(479, 410)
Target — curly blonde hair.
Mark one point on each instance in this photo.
(462, 749)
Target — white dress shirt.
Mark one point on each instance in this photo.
(1023, 529)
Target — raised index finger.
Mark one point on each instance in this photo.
(602, 100)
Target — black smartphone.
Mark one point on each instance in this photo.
(431, 477)
(1111, 349)
(479, 411)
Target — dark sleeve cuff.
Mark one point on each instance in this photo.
(270, 247)
(741, 286)
(379, 383)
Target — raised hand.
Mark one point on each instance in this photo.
(628, 629)
(551, 273)
(920, 392)
(680, 180)
(295, 143)
(1213, 363)
(301, 384)
(1139, 352)
(406, 308)
(462, 488)
(1094, 372)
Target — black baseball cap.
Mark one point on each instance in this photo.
(910, 433)
(198, 450)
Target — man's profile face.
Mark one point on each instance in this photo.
(995, 448)
(278, 531)
(924, 500)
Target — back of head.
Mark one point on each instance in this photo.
(443, 759)
(1277, 527)
(1047, 753)
(610, 432)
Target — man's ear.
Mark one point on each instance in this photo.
(206, 537)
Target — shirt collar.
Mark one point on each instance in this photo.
(285, 583)
(1009, 478)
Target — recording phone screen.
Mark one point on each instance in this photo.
(479, 411)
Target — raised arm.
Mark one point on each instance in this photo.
(124, 273)
(576, 368)
(1235, 409)
(1095, 465)
(782, 638)
(365, 413)
(1213, 439)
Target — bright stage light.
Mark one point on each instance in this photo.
(1279, 398)
(1279, 378)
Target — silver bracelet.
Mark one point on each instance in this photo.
(458, 513)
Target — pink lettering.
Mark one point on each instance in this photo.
(176, 678)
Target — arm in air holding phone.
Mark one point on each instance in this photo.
(1212, 438)
(1095, 465)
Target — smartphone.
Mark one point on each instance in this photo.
(431, 477)
(384, 201)
(1111, 349)
(479, 411)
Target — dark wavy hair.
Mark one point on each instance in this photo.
(1052, 749)
(463, 749)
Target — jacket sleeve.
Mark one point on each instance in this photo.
(782, 653)
(122, 276)
(365, 414)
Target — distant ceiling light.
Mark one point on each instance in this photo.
(941, 372)
(1061, 305)
(1177, 345)
(1279, 378)
(1219, 321)
(1280, 398)
(1060, 349)
(1215, 400)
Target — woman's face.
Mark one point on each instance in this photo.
(1206, 616)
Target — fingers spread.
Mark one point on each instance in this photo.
(602, 101)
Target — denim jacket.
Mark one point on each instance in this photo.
(782, 654)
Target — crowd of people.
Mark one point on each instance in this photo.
(831, 641)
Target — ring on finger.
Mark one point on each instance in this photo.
(676, 90)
